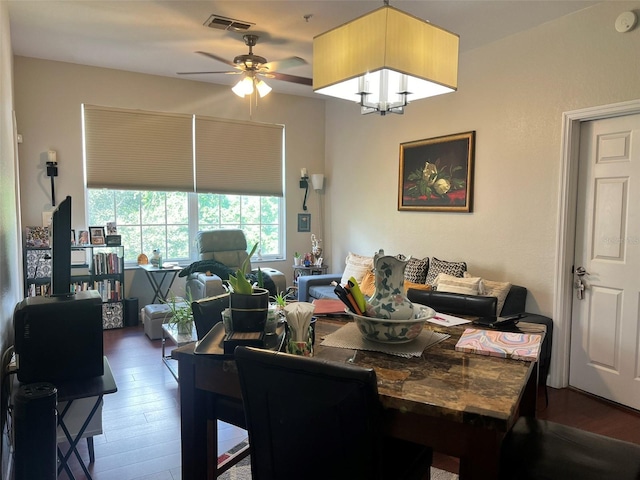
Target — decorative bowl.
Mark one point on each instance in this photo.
(386, 330)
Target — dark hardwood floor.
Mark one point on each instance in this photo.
(141, 422)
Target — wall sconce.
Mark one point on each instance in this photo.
(52, 171)
(317, 180)
(304, 183)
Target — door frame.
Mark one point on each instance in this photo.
(566, 228)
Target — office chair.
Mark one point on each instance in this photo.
(317, 420)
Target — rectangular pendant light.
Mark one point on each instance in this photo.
(384, 60)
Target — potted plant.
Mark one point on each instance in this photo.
(297, 259)
(249, 305)
(181, 314)
(280, 300)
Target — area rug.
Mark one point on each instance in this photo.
(242, 471)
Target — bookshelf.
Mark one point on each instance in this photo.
(93, 267)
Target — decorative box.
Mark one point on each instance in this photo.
(112, 315)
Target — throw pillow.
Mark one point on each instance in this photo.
(451, 284)
(415, 286)
(416, 270)
(456, 269)
(368, 284)
(356, 267)
(500, 290)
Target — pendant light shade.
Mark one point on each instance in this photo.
(384, 60)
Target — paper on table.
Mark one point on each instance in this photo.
(448, 320)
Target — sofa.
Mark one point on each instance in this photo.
(222, 251)
(514, 302)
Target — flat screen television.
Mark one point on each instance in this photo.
(61, 248)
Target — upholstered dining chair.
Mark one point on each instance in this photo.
(207, 312)
(538, 449)
(319, 420)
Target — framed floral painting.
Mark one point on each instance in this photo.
(436, 174)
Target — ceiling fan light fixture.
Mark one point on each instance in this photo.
(385, 59)
(263, 88)
(243, 87)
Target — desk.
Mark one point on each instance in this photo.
(460, 404)
(162, 273)
(71, 390)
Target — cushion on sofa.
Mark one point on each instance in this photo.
(416, 270)
(467, 285)
(437, 266)
(500, 290)
(368, 284)
(356, 266)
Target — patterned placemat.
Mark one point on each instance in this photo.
(348, 336)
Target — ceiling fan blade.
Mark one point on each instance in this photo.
(198, 73)
(284, 63)
(292, 78)
(219, 59)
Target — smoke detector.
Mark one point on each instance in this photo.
(626, 21)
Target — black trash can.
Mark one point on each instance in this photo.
(131, 312)
(36, 425)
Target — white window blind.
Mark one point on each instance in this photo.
(238, 157)
(139, 150)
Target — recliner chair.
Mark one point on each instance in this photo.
(228, 247)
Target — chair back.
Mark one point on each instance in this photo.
(309, 418)
(228, 247)
(207, 312)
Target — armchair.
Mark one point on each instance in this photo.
(228, 247)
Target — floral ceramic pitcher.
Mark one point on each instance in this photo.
(389, 300)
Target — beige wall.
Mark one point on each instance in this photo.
(513, 94)
(10, 266)
(48, 98)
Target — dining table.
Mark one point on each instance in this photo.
(459, 404)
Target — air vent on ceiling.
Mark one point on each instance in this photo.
(224, 23)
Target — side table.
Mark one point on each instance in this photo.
(301, 270)
(170, 332)
(162, 273)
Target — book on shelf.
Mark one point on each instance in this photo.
(515, 345)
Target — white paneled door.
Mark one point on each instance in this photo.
(605, 332)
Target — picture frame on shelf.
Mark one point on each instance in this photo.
(83, 238)
(36, 237)
(112, 228)
(73, 237)
(304, 222)
(96, 234)
(436, 174)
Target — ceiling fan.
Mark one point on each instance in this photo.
(252, 66)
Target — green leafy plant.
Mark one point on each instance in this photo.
(280, 299)
(181, 313)
(238, 283)
(296, 255)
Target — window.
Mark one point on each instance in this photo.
(169, 221)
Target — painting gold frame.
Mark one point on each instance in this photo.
(436, 174)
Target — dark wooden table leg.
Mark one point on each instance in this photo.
(193, 428)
